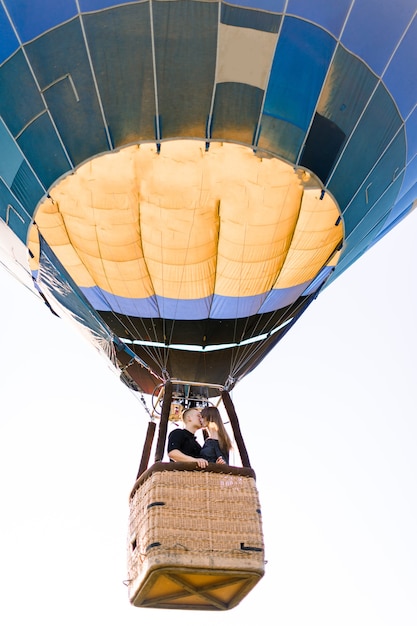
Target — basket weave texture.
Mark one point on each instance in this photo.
(198, 519)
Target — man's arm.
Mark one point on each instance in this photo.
(177, 455)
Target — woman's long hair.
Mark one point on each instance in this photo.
(212, 414)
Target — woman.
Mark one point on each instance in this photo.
(217, 446)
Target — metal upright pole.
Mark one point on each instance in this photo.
(163, 424)
(146, 453)
(229, 406)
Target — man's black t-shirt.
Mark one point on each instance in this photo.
(184, 441)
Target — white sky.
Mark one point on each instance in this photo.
(330, 423)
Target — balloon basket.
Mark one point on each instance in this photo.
(195, 537)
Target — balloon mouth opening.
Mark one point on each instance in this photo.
(182, 225)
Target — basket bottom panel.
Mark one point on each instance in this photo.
(169, 587)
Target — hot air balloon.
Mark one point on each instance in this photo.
(181, 178)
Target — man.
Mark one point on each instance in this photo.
(182, 443)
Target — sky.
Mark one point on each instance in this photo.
(330, 423)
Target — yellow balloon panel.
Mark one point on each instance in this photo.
(189, 223)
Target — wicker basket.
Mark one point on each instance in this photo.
(195, 537)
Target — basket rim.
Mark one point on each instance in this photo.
(178, 466)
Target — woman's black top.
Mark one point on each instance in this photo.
(211, 451)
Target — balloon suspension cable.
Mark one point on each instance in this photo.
(131, 384)
(143, 401)
(230, 383)
(120, 345)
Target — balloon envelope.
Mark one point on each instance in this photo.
(187, 176)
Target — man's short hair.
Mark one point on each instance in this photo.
(186, 412)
